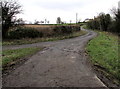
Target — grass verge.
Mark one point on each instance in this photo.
(10, 56)
(35, 40)
(103, 51)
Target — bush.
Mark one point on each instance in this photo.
(66, 29)
(24, 33)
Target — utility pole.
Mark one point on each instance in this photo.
(70, 21)
(76, 18)
(45, 21)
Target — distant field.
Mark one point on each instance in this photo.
(43, 28)
(47, 30)
(47, 26)
(38, 26)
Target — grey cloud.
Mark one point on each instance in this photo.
(60, 5)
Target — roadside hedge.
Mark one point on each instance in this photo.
(29, 32)
(66, 29)
(24, 32)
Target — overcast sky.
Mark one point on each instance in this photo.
(66, 9)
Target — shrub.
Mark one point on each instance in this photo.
(23, 32)
(66, 29)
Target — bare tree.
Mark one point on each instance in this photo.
(19, 22)
(48, 22)
(9, 8)
(41, 22)
(36, 22)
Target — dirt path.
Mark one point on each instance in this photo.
(61, 64)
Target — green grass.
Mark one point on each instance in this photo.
(9, 56)
(35, 40)
(103, 51)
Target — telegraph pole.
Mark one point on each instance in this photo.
(76, 18)
(45, 21)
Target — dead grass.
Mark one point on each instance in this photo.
(47, 30)
(40, 26)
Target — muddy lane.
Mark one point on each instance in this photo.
(61, 64)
